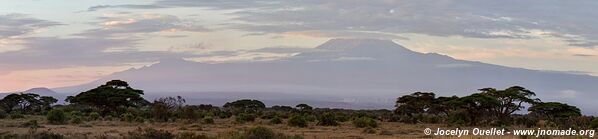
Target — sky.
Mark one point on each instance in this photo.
(55, 43)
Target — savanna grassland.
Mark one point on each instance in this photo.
(115, 110)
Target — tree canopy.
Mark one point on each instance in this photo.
(26, 102)
(246, 105)
(553, 110)
(110, 96)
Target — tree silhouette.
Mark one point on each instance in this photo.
(26, 102)
(511, 100)
(477, 106)
(245, 105)
(554, 110)
(110, 96)
(416, 103)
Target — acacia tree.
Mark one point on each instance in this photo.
(416, 103)
(477, 106)
(245, 105)
(47, 101)
(110, 96)
(511, 100)
(26, 102)
(554, 110)
(443, 105)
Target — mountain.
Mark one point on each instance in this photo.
(355, 73)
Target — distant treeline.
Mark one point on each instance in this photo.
(116, 100)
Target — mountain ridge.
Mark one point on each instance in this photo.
(365, 70)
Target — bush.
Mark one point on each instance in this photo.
(56, 116)
(276, 120)
(362, 122)
(327, 119)
(297, 121)
(208, 120)
(16, 115)
(127, 117)
(265, 133)
(149, 133)
(75, 113)
(139, 120)
(76, 120)
(3, 114)
(224, 115)
(244, 117)
(268, 115)
(94, 116)
(260, 133)
(342, 117)
(594, 123)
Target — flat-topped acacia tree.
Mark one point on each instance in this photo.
(110, 96)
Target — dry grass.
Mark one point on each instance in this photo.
(116, 129)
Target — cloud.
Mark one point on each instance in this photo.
(467, 18)
(283, 49)
(52, 53)
(128, 6)
(141, 23)
(14, 25)
(91, 47)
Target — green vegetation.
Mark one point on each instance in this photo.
(327, 119)
(116, 100)
(109, 97)
(56, 116)
(297, 121)
(244, 117)
(276, 120)
(365, 122)
(149, 133)
(208, 120)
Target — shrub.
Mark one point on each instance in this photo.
(310, 118)
(76, 120)
(149, 133)
(594, 123)
(327, 119)
(268, 115)
(297, 121)
(275, 120)
(224, 115)
(127, 117)
(189, 113)
(94, 116)
(244, 117)
(75, 113)
(259, 133)
(3, 114)
(108, 118)
(342, 117)
(265, 133)
(16, 115)
(208, 120)
(362, 122)
(139, 120)
(56, 116)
